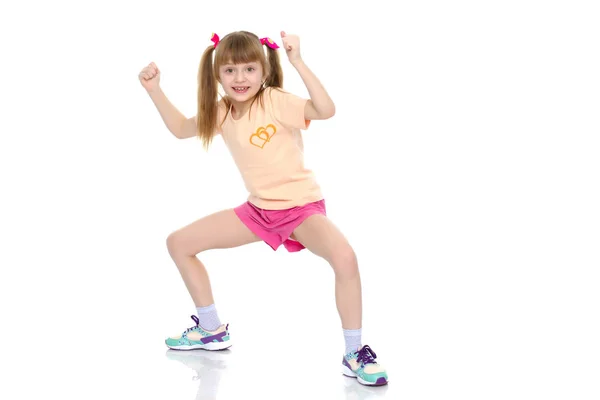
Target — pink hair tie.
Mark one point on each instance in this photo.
(269, 43)
(215, 39)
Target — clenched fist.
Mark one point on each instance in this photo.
(291, 44)
(150, 77)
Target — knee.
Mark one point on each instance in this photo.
(176, 244)
(344, 262)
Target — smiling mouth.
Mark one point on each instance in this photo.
(241, 89)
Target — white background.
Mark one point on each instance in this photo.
(462, 164)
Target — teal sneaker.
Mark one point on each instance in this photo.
(198, 338)
(362, 365)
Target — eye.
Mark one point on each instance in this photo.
(229, 70)
(250, 69)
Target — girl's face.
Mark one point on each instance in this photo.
(241, 82)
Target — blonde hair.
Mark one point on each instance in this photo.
(236, 47)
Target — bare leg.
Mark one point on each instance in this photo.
(220, 230)
(319, 235)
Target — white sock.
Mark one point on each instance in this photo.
(352, 338)
(209, 320)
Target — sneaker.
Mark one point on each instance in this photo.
(198, 338)
(361, 364)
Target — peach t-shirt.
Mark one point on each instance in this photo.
(266, 145)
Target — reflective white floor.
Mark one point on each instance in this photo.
(224, 375)
(472, 358)
(135, 372)
(287, 368)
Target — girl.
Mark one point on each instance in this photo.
(260, 124)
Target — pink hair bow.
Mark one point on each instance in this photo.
(215, 39)
(269, 43)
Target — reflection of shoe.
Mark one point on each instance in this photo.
(208, 365)
(198, 338)
(201, 361)
(362, 365)
(355, 391)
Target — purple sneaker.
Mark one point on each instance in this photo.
(362, 365)
(198, 338)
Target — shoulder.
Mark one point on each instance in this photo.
(279, 97)
(287, 108)
(276, 93)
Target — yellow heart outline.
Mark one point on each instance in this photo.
(263, 134)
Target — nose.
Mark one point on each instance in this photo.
(239, 76)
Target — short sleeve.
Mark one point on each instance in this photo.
(288, 109)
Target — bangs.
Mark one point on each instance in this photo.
(238, 49)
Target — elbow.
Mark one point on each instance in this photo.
(175, 135)
(329, 112)
(178, 130)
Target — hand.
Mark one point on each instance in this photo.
(291, 44)
(150, 77)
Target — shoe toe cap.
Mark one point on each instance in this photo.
(173, 341)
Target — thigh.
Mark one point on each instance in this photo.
(319, 235)
(220, 230)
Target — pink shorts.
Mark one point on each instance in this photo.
(276, 226)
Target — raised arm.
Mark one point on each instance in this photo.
(180, 126)
(320, 105)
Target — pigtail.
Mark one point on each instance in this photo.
(207, 98)
(275, 77)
